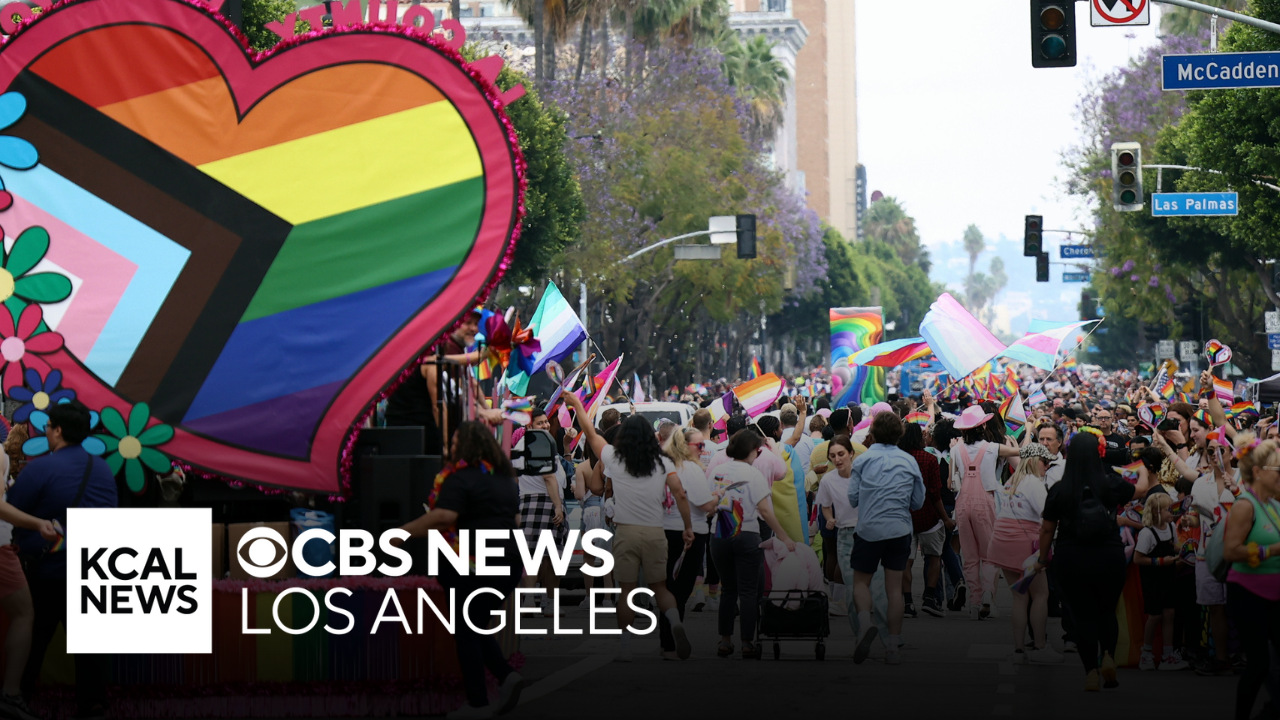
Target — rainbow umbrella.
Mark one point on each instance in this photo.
(892, 353)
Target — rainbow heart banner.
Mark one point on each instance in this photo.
(1128, 472)
(853, 329)
(961, 343)
(1217, 353)
(757, 395)
(919, 418)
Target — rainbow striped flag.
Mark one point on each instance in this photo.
(1010, 383)
(1224, 391)
(1128, 472)
(1241, 409)
(1014, 414)
(919, 418)
(757, 395)
(729, 521)
(1069, 365)
(754, 371)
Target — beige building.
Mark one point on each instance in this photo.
(826, 104)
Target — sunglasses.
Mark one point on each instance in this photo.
(698, 445)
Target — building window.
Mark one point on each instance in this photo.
(466, 11)
(775, 5)
(486, 10)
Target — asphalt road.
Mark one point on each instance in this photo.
(952, 667)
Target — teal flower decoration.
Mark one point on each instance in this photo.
(39, 444)
(133, 445)
(19, 286)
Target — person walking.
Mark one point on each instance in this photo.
(885, 485)
(67, 477)
(930, 526)
(840, 521)
(639, 471)
(479, 492)
(743, 500)
(1013, 540)
(973, 470)
(684, 563)
(1252, 546)
(542, 510)
(1088, 554)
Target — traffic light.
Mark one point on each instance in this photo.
(1032, 226)
(1053, 33)
(1042, 267)
(746, 237)
(1126, 176)
(1188, 314)
(1088, 307)
(1154, 333)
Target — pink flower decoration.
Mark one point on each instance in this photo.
(19, 349)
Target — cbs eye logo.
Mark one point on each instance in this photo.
(262, 552)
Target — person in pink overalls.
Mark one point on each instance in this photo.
(974, 459)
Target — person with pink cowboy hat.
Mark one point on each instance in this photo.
(974, 457)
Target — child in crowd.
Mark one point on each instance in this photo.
(1156, 553)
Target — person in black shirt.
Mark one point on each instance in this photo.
(1117, 444)
(1088, 560)
(478, 493)
(414, 403)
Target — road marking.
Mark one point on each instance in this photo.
(561, 678)
(1006, 689)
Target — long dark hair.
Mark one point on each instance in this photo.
(475, 444)
(1084, 466)
(638, 447)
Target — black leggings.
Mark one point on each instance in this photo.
(476, 652)
(1092, 579)
(681, 587)
(739, 559)
(1259, 627)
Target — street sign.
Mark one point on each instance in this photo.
(1275, 359)
(1273, 341)
(1164, 349)
(1202, 204)
(1119, 13)
(1075, 277)
(1271, 320)
(724, 229)
(1188, 351)
(697, 252)
(1075, 251)
(1210, 71)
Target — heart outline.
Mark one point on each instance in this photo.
(250, 77)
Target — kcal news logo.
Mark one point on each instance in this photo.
(139, 580)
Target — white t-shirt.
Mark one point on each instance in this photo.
(535, 485)
(987, 469)
(1054, 473)
(833, 492)
(747, 495)
(1149, 536)
(698, 491)
(1206, 500)
(709, 449)
(637, 500)
(1025, 504)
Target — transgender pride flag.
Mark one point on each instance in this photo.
(961, 343)
(557, 328)
(1041, 348)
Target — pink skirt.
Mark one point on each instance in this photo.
(1012, 542)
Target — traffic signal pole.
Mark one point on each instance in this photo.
(1211, 10)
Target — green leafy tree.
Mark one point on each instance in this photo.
(259, 12)
(887, 221)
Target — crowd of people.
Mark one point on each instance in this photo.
(1110, 490)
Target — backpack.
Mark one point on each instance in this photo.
(1094, 522)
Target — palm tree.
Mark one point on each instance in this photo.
(886, 220)
(760, 78)
(974, 244)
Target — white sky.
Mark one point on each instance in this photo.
(954, 121)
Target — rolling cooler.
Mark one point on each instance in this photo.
(795, 615)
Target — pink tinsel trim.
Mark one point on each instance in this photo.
(492, 94)
(407, 582)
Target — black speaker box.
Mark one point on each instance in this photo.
(389, 491)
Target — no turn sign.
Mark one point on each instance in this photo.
(1113, 13)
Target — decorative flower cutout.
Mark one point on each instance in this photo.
(15, 152)
(39, 444)
(16, 278)
(39, 394)
(21, 347)
(132, 446)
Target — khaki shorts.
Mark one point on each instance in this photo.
(636, 547)
(930, 543)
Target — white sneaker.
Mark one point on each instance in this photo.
(713, 604)
(509, 693)
(1173, 662)
(893, 656)
(1018, 657)
(973, 612)
(1146, 661)
(468, 712)
(1069, 647)
(586, 601)
(1045, 655)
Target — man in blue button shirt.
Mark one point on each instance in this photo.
(885, 486)
(66, 477)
